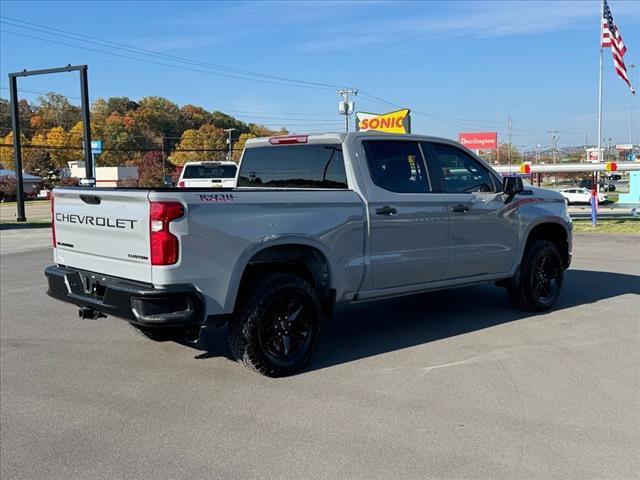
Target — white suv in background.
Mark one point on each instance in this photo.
(580, 195)
(208, 174)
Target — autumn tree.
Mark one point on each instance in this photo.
(151, 170)
(206, 143)
(193, 117)
(158, 117)
(239, 144)
(37, 159)
(63, 148)
(503, 157)
(6, 150)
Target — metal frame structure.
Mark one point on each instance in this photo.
(86, 122)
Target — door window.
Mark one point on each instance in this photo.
(397, 165)
(461, 173)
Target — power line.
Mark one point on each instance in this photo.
(216, 69)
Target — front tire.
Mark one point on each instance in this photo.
(276, 327)
(541, 278)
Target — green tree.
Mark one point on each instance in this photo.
(121, 105)
(122, 140)
(5, 116)
(222, 120)
(56, 111)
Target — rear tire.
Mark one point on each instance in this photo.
(162, 334)
(541, 278)
(276, 326)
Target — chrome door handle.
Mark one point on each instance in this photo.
(386, 210)
(460, 208)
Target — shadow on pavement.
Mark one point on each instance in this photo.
(359, 331)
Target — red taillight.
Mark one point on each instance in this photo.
(164, 244)
(181, 184)
(53, 223)
(291, 139)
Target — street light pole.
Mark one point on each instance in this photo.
(631, 67)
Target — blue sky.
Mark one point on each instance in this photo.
(460, 66)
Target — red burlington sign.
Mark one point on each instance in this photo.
(479, 140)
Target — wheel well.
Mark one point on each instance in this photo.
(554, 233)
(302, 260)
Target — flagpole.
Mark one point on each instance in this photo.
(595, 187)
(600, 84)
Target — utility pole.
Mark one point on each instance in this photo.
(538, 153)
(586, 145)
(554, 143)
(346, 107)
(164, 170)
(229, 130)
(509, 130)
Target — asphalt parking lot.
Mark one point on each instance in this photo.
(447, 385)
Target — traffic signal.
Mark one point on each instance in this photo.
(611, 166)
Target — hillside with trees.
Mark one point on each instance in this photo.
(153, 134)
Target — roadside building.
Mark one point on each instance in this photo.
(29, 181)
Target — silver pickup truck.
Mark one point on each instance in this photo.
(314, 220)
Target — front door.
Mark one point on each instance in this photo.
(409, 222)
(483, 236)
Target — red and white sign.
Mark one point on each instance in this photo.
(479, 140)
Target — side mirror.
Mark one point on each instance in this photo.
(512, 186)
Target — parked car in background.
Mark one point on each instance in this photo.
(588, 183)
(208, 174)
(580, 195)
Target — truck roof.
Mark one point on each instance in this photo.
(335, 137)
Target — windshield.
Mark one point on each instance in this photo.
(209, 171)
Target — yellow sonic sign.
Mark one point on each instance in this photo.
(392, 122)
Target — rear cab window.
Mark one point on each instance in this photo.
(209, 171)
(293, 166)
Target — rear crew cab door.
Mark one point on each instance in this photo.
(409, 222)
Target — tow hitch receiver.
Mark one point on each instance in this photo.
(87, 313)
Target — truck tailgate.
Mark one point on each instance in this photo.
(103, 231)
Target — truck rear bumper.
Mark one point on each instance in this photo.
(178, 305)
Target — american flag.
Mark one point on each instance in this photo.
(611, 38)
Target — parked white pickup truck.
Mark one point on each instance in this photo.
(208, 175)
(314, 220)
